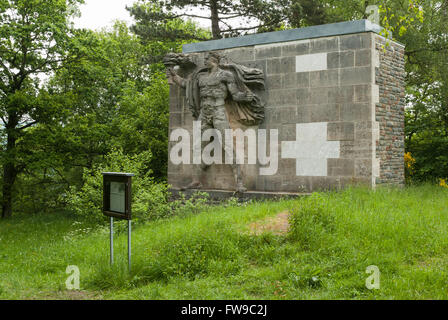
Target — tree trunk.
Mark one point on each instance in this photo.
(9, 175)
(216, 31)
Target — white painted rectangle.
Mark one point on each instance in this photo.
(311, 149)
(311, 62)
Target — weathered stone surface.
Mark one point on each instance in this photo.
(296, 48)
(356, 111)
(281, 65)
(175, 100)
(326, 78)
(341, 59)
(355, 76)
(355, 42)
(363, 58)
(303, 96)
(333, 60)
(273, 115)
(321, 80)
(341, 167)
(325, 183)
(341, 94)
(363, 134)
(287, 132)
(319, 95)
(324, 45)
(175, 120)
(389, 112)
(362, 93)
(274, 81)
(304, 113)
(302, 79)
(362, 148)
(220, 182)
(295, 80)
(287, 167)
(289, 115)
(363, 167)
(272, 183)
(292, 183)
(241, 54)
(267, 52)
(177, 180)
(347, 149)
(347, 59)
(341, 131)
(281, 97)
(325, 113)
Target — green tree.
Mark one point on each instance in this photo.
(302, 13)
(34, 39)
(142, 123)
(155, 17)
(119, 101)
(427, 88)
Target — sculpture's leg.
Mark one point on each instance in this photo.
(221, 123)
(199, 169)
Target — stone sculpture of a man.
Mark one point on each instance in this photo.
(208, 90)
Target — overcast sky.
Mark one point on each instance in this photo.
(96, 14)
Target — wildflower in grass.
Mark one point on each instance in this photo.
(443, 183)
(409, 162)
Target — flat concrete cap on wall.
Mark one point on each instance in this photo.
(325, 30)
(118, 174)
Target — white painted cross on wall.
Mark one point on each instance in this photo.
(311, 149)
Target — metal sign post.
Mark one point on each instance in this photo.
(111, 240)
(117, 204)
(129, 245)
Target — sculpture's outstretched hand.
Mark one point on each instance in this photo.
(244, 96)
(175, 77)
(249, 96)
(172, 72)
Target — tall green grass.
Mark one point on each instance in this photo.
(403, 232)
(334, 237)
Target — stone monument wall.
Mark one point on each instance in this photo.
(390, 111)
(335, 93)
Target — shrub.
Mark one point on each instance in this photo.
(149, 199)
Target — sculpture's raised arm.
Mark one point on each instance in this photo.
(176, 78)
(184, 61)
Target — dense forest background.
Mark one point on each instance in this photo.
(75, 102)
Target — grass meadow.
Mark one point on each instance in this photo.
(219, 254)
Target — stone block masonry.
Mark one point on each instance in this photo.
(335, 93)
(389, 111)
